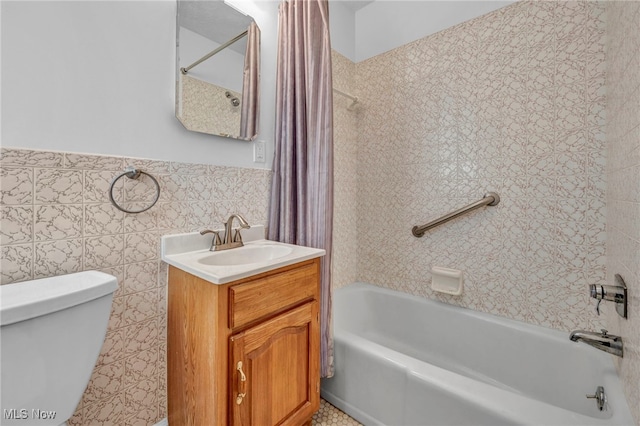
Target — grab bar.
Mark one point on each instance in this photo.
(490, 199)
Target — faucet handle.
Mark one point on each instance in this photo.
(216, 238)
(237, 237)
(615, 293)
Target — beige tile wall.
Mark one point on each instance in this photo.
(57, 219)
(511, 102)
(345, 238)
(204, 107)
(623, 179)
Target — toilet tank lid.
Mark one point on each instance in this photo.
(29, 299)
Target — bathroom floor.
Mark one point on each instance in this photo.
(330, 415)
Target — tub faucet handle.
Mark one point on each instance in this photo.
(615, 293)
(598, 306)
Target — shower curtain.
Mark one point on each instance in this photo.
(250, 89)
(301, 210)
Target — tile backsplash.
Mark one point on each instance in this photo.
(57, 219)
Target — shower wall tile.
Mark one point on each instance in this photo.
(511, 102)
(345, 239)
(200, 107)
(57, 218)
(623, 177)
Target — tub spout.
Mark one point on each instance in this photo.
(603, 341)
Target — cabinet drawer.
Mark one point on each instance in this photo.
(256, 299)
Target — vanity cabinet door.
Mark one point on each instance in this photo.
(275, 370)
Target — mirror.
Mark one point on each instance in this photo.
(217, 76)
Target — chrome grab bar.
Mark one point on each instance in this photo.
(490, 199)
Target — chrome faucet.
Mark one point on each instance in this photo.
(603, 341)
(232, 237)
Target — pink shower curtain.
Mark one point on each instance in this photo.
(301, 210)
(250, 87)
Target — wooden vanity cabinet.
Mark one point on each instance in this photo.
(247, 352)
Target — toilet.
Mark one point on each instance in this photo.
(51, 335)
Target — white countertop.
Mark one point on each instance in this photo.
(190, 252)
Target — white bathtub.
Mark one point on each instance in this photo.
(404, 360)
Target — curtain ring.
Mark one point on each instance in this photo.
(133, 173)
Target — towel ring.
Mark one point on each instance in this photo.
(133, 173)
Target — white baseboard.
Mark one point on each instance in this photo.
(163, 422)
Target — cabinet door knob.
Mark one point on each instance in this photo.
(243, 384)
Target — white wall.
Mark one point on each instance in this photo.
(342, 27)
(99, 77)
(384, 25)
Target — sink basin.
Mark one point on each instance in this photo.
(246, 255)
(190, 253)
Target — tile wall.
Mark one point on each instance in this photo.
(511, 102)
(57, 219)
(345, 151)
(623, 180)
(204, 107)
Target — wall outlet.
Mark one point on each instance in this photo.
(259, 152)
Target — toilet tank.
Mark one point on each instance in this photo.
(51, 335)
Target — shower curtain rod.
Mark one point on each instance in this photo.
(353, 98)
(184, 70)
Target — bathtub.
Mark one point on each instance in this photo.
(404, 360)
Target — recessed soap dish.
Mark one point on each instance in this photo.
(445, 280)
